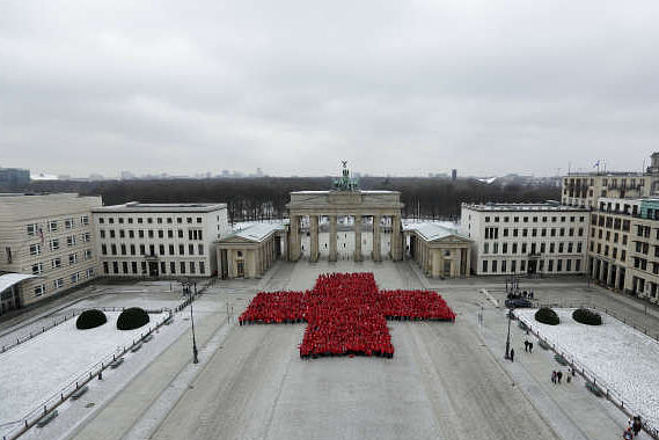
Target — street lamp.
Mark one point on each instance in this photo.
(510, 313)
(186, 289)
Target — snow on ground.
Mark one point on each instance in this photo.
(622, 358)
(38, 369)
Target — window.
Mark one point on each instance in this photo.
(53, 244)
(159, 221)
(179, 220)
(130, 220)
(132, 249)
(88, 254)
(486, 248)
(171, 250)
(37, 269)
(180, 233)
(514, 248)
(161, 249)
(503, 266)
(39, 290)
(191, 249)
(113, 249)
(104, 249)
(71, 240)
(75, 277)
(140, 233)
(68, 223)
(150, 233)
(172, 265)
(35, 249)
(181, 250)
(124, 267)
(115, 267)
(202, 267)
(101, 220)
(122, 234)
(112, 234)
(192, 267)
(484, 266)
(73, 258)
(140, 220)
(182, 267)
(58, 283)
(32, 229)
(161, 233)
(105, 267)
(102, 233)
(55, 263)
(494, 265)
(84, 220)
(123, 249)
(131, 233)
(199, 219)
(559, 265)
(86, 237)
(142, 249)
(149, 220)
(133, 266)
(200, 249)
(111, 220)
(90, 272)
(551, 266)
(170, 233)
(189, 219)
(52, 225)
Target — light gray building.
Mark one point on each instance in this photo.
(538, 238)
(159, 239)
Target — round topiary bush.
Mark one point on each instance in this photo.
(91, 318)
(547, 316)
(586, 316)
(132, 318)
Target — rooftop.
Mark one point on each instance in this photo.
(136, 207)
(256, 232)
(431, 231)
(522, 207)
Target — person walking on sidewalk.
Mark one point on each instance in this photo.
(559, 376)
(512, 355)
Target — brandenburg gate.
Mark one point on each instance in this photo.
(345, 199)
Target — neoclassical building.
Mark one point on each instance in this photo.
(440, 251)
(249, 252)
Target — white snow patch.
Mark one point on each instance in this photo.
(620, 357)
(36, 370)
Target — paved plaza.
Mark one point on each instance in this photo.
(446, 381)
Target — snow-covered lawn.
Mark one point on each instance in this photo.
(621, 358)
(35, 370)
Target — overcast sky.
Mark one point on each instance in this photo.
(396, 87)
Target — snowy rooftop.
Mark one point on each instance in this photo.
(257, 231)
(521, 207)
(161, 207)
(359, 191)
(431, 231)
(8, 280)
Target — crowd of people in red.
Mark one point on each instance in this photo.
(346, 314)
(415, 305)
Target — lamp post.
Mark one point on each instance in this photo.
(186, 289)
(507, 356)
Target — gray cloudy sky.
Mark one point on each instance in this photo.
(291, 86)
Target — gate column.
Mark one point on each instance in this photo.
(358, 237)
(332, 238)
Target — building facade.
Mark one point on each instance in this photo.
(585, 189)
(534, 239)
(250, 252)
(159, 240)
(440, 252)
(623, 247)
(50, 236)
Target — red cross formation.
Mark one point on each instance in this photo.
(346, 314)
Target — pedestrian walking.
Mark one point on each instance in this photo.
(553, 377)
(526, 346)
(559, 376)
(636, 425)
(512, 355)
(530, 347)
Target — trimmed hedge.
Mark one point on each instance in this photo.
(547, 316)
(132, 318)
(586, 316)
(91, 318)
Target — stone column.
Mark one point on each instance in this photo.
(396, 241)
(313, 238)
(602, 272)
(377, 254)
(358, 237)
(617, 280)
(294, 244)
(332, 238)
(468, 263)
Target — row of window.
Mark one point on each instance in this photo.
(534, 219)
(74, 279)
(56, 263)
(54, 245)
(124, 249)
(33, 229)
(493, 233)
(532, 248)
(193, 234)
(610, 222)
(606, 235)
(141, 268)
(555, 266)
(149, 220)
(606, 249)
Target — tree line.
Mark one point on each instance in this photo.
(266, 197)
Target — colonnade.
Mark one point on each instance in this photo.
(295, 247)
(607, 273)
